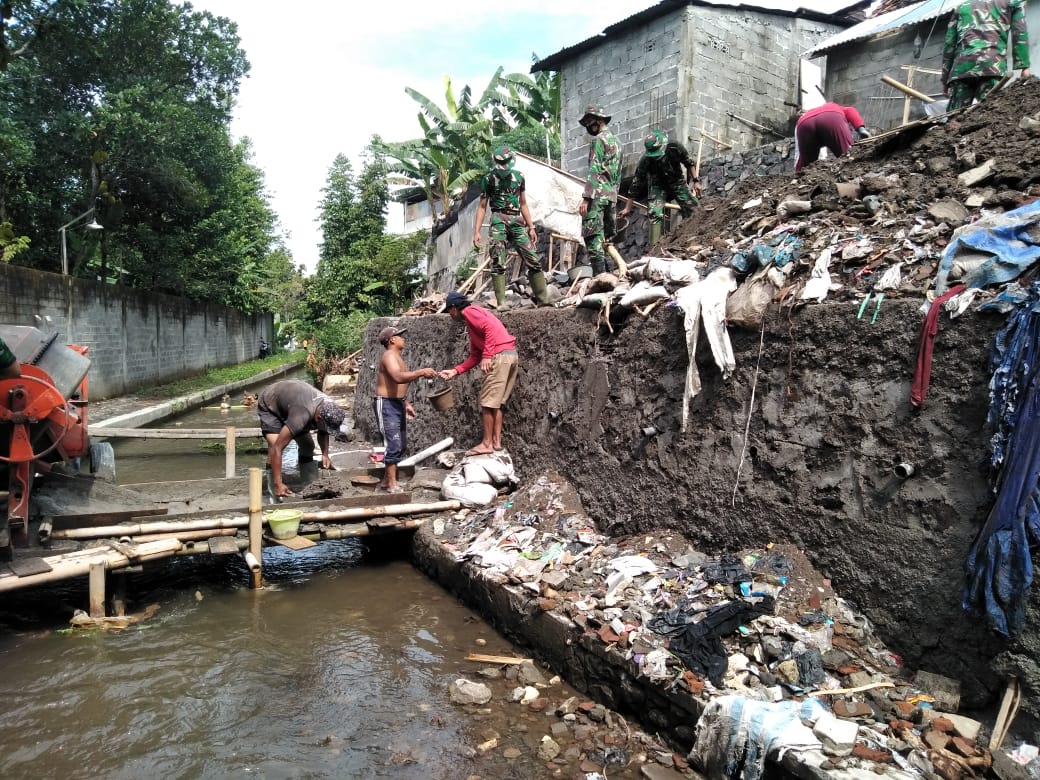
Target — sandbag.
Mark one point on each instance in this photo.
(747, 306)
(643, 293)
(474, 494)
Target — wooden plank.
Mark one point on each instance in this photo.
(25, 567)
(62, 522)
(497, 659)
(223, 545)
(171, 433)
(295, 543)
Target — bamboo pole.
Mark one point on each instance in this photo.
(473, 277)
(171, 433)
(254, 566)
(187, 536)
(256, 526)
(96, 590)
(215, 524)
(229, 452)
(549, 264)
(112, 559)
(904, 88)
(716, 141)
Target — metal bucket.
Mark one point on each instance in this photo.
(442, 400)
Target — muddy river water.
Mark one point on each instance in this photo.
(339, 668)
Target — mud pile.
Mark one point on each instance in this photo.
(896, 197)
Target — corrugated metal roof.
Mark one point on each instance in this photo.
(890, 22)
(553, 61)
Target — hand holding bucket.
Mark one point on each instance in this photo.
(442, 399)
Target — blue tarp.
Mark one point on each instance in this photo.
(999, 569)
(1006, 243)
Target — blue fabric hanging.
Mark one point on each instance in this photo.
(999, 569)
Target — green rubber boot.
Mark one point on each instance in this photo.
(498, 281)
(655, 232)
(538, 286)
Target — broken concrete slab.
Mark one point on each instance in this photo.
(977, 174)
(949, 211)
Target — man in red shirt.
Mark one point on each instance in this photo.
(492, 346)
(826, 125)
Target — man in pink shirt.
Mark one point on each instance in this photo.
(827, 125)
(492, 346)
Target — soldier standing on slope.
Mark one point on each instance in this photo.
(599, 200)
(975, 52)
(659, 174)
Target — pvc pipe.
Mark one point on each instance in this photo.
(904, 470)
(433, 449)
(251, 562)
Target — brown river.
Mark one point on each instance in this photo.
(338, 668)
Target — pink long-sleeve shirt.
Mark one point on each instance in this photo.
(851, 114)
(487, 337)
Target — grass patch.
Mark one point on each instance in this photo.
(222, 376)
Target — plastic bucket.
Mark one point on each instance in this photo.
(442, 400)
(284, 523)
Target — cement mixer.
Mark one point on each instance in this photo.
(43, 421)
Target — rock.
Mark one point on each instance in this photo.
(484, 747)
(529, 674)
(936, 165)
(945, 690)
(936, 740)
(952, 213)
(463, 691)
(1030, 125)
(788, 671)
(559, 729)
(838, 736)
(977, 174)
(873, 182)
(978, 199)
(848, 189)
(548, 750)
(963, 726)
(511, 753)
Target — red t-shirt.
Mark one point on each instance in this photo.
(487, 337)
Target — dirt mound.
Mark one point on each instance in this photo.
(895, 197)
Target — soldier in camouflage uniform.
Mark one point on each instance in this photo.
(659, 177)
(9, 365)
(599, 200)
(975, 53)
(511, 225)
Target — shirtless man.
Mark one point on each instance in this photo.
(391, 407)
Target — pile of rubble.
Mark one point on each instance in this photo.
(779, 663)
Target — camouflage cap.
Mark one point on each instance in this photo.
(503, 157)
(655, 143)
(594, 112)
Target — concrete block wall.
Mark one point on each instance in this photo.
(635, 77)
(693, 66)
(854, 73)
(746, 63)
(135, 338)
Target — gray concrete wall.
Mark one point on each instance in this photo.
(635, 77)
(854, 74)
(746, 63)
(135, 338)
(686, 69)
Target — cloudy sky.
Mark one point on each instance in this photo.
(326, 75)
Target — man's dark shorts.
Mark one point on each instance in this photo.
(390, 414)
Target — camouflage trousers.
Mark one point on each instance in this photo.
(660, 194)
(964, 92)
(509, 230)
(597, 227)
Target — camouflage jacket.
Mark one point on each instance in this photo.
(503, 188)
(664, 171)
(604, 167)
(977, 39)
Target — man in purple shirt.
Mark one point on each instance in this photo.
(494, 348)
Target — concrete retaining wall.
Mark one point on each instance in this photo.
(135, 338)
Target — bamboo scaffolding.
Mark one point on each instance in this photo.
(905, 89)
(62, 568)
(242, 521)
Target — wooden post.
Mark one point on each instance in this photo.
(700, 149)
(550, 263)
(256, 525)
(906, 100)
(229, 452)
(97, 590)
(906, 90)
